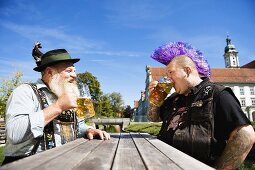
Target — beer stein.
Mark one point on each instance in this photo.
(85, 107)
(160, 92)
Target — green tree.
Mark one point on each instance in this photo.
(106, 107)
(116, 102)
(128, 112)
(6, 89)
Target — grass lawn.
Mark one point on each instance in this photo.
(1, 154)
(151, 128)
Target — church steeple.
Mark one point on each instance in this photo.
(231, 55)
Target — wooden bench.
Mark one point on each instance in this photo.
(2, 132)
(122, 122)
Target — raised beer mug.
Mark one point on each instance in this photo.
(160, 92)
(85, 107)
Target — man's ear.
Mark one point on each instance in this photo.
(187, 70)
(48, 71)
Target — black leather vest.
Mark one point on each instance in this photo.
(193, 132)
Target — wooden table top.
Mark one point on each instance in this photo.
(123, 151)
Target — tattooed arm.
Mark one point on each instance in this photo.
(238, 146)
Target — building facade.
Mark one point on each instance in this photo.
(240, 79)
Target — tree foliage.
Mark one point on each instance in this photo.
(116, 102)
(128, 112)
(106, 107)
(112, 105)
(7, 86)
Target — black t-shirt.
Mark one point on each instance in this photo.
(228, 115)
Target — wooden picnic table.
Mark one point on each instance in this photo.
(123, 151)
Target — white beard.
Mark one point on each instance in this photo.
(61, 86)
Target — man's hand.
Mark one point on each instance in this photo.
(67, 101)
(64, 102)
(103, 135)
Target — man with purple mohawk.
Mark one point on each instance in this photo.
(201, 118)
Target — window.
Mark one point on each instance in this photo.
(252, 90)
(253, 101)
(241, 91)
(243, 102)
(227, 63)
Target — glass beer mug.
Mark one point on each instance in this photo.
(160, 92)
(85, 107)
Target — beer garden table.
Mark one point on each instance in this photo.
(123, 151)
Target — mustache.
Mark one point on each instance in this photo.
(71, 80)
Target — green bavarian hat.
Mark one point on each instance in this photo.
(53, 57)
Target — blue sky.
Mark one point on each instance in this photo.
(114, 39)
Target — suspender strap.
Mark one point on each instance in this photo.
(38, 140)
(34, 87)
(49, 139)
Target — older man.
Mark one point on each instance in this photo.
(211, 125)
(40, 116)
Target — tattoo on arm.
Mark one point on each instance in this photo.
(153, 113)
(236, 150)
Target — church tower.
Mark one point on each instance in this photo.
(230, 55)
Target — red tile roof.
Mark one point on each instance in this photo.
(249, 65)
(233, 75)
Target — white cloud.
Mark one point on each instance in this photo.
(37, 32)
(77, 44)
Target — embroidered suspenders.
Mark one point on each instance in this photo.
(48, 137)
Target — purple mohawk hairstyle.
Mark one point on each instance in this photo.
(165, 53)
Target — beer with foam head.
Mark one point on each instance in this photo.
(85, 108)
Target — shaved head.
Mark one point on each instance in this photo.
(183, 61)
